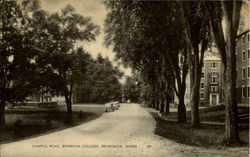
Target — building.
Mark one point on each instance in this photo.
(212, 91)
(243, 68)
(211, 82)
(210, 87)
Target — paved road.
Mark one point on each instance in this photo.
(126, 132)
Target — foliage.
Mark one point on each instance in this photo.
(39, 53)
(148, 36)
(16, 70)
(131, 89)
(197, 33)
(101, 83)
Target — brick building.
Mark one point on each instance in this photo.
(243, 68)
(210, 87)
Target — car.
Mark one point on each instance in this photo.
(109, 107)
(116, 105)
(112, 106)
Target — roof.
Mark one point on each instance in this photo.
(211, 58)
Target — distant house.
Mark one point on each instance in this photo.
(40, 97)
(210, 87)
(44, 99)
(243, 68)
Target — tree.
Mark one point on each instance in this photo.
(59, 62)
(104, 81)
(131, 89)
(16, 46)
(197, 34)
(227, 49)
(100, 82)
(166, 30)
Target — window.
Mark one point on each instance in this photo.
(214, 79)
(243, 39)
(213, 65)
(202, 85)
(213, 88)
(202, 75)
(243, 55)
(248, 54)
(243, 92)
(222, 92)
(243, 73)
(202, 96)
(247, 37)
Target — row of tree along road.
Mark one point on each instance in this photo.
(38, 51)
(165, 40)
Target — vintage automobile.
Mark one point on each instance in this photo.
(116, 105)
(109, 107)
(112, 106)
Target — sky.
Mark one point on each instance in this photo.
(88, 8)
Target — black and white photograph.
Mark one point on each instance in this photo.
(124, 78)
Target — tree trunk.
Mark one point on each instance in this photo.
(195, 89)
(167, 99)
(157, 103)
(166, 105)
(195, 100)
(69, 107)
(227, 48)
(152, 100)
(162, 105)
(231, 119)
(181, 107)
(2, 113)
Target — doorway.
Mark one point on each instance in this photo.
(214, 100)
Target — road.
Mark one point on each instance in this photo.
(126, 132)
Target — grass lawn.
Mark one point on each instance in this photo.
(214, 114)
(208, 135)
(24, 123)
